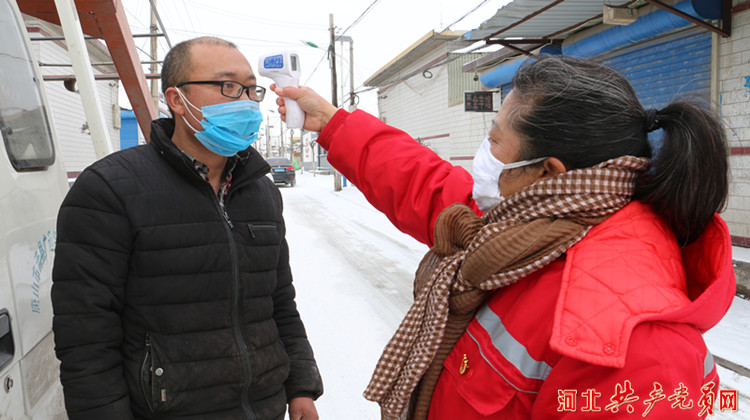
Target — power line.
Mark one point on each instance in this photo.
(442, 63)
(415, 72)
(474, 9)
(361, 16)
(155, 12)
(232, 37)
(135, 17)
(148, 54)
(187, 13)
(316, 68)
(248, 18)
(356, 21)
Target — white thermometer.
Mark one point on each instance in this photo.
(283, 68)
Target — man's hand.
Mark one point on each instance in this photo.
(317, 110)
(302, 408)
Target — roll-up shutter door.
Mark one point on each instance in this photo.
(667, 68)
(663, 69)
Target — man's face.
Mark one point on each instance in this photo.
(216, 62)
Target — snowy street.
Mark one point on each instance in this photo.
(353, 272)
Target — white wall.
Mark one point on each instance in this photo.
(419, 106)
(734, 100)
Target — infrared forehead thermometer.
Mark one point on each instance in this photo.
(283, 68)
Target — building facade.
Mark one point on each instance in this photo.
(421, 92)
(664, 55)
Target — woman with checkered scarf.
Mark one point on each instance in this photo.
(574, 274)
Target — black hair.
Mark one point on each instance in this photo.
(176, 66)
(584, 113)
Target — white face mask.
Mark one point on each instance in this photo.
(487, 170)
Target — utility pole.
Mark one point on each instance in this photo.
(351, 75)
(341, 60)
(281, 138)
(334, 99)
(291, 144)
(342, 39)
(332, 61)
(154, 59)
(352, 105)
(268, 138)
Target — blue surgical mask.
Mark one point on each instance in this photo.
(228, 127)
(486, 173)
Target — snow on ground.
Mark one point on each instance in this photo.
(730, 338)
(353, 272)
(741, 254)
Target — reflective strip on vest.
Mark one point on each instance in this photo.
(495, 369)
(708, 364)
(515, 352)
(509, 347)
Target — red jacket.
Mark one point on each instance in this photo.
(613, 328)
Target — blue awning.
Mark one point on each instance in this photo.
(557, 19)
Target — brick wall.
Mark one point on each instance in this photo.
(734, 100)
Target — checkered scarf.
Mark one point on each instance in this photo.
(524, 233)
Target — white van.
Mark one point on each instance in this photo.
(33, 183)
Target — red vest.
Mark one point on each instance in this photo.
(613, 326)
(608, 327)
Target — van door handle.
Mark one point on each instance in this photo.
(6, 339)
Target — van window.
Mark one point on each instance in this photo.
(23, 118)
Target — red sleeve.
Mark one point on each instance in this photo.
(407, 181)
(668, 374)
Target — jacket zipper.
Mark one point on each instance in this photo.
(236, 324)
(255, 228)
(226, 216)
(146, 373)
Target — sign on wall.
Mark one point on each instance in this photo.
(478, 102)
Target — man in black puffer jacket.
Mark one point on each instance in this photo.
(172, 289)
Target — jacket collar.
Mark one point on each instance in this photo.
(250, 164)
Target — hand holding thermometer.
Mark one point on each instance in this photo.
(283, 68)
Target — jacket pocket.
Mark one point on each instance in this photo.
(260, 242)
(154, 379)
(263, 233)
(487, 384)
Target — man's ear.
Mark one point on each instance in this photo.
(175, 103)
(553, 166)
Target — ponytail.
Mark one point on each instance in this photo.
(584, 113)
(688, 180)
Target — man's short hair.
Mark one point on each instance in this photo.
(176, 66)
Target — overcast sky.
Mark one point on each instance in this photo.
(262, 27)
